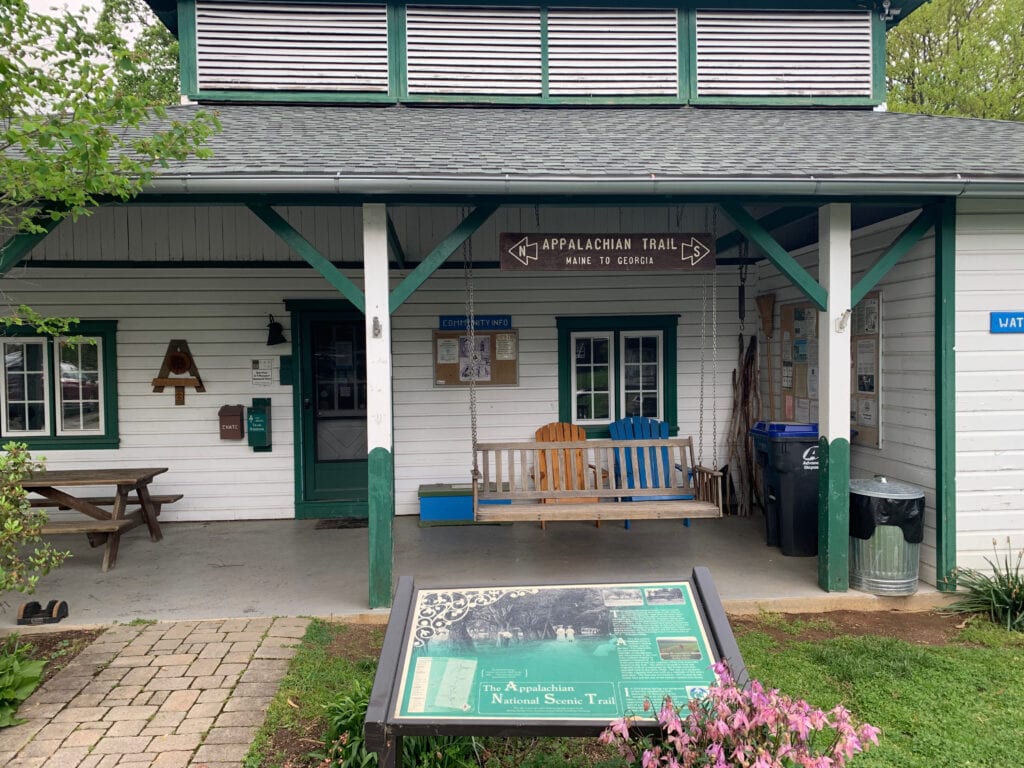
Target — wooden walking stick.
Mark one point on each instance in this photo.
(766, 309)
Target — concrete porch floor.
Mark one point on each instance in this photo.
(246, 569)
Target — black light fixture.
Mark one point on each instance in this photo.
(275, 333)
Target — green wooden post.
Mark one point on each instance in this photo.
(945, 396)
(381, 493)
(834, 511)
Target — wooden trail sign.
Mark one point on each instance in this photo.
(608, 252)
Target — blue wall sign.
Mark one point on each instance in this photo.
(481, 322)
(1006, 322)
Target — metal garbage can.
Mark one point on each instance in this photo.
(787, 453)
(886, 529)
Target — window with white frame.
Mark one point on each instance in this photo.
(614, 367)
(641, 374)
(593, 377)
(60, 392)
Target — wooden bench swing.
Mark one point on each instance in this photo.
(640, 473)
(588, 480)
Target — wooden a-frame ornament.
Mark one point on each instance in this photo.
(178, 361)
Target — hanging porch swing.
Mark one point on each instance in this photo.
(647, 475)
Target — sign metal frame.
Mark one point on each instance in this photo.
(385, 728)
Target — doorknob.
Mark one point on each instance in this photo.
(306, 404)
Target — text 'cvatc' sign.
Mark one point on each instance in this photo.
(633, 252)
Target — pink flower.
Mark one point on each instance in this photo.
(752, 727)
(869, 733)
(620, 728)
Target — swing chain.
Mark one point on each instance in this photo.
(714, 370)
(467, 272)
(744, 266)
(703, 336)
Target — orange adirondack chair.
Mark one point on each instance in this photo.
(563, 469)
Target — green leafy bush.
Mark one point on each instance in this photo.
(24, 556)
(344, 745)
(999, 594)
(18, 678)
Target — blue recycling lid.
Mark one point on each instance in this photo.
(784, 429)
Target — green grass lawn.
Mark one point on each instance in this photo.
(954, 706)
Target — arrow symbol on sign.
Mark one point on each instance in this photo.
(524, 252)
(693, 251)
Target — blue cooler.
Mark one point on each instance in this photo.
(787, 453)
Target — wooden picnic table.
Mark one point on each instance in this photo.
(107, 517)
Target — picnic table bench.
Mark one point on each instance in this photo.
(106, 518)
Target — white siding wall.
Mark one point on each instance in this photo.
(907, 363)
(989, 380)
(222, 312)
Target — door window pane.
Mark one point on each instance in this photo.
(339, 381)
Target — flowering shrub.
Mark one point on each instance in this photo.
(734, 727)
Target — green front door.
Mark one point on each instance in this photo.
(331, 405)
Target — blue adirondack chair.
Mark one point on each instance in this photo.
(651, 466)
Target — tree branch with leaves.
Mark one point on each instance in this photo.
(74, 127)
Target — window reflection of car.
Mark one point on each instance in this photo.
(76, 384)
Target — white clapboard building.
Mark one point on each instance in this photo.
(383, 164)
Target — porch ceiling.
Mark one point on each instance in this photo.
(396, 151)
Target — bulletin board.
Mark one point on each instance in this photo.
(865, 372)
(801, 372)
(497, 358)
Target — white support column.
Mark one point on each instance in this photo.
(378, 327)
(834, 239)
(834, 325)
(379, 437)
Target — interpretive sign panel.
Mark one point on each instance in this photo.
(632, 252)
(588, 652)
(542, 659)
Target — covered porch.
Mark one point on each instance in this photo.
(208, 570)
(212, 250)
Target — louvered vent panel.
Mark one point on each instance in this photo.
(294, 47)
(473, 50)
(783, 53)
(598, 52)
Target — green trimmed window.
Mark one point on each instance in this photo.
(613, 367)
(58, 392)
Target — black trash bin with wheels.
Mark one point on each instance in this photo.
(788, 456)
(886, 531)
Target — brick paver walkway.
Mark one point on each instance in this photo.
(168, 695)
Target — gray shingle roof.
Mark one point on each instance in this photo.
(368, 150)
